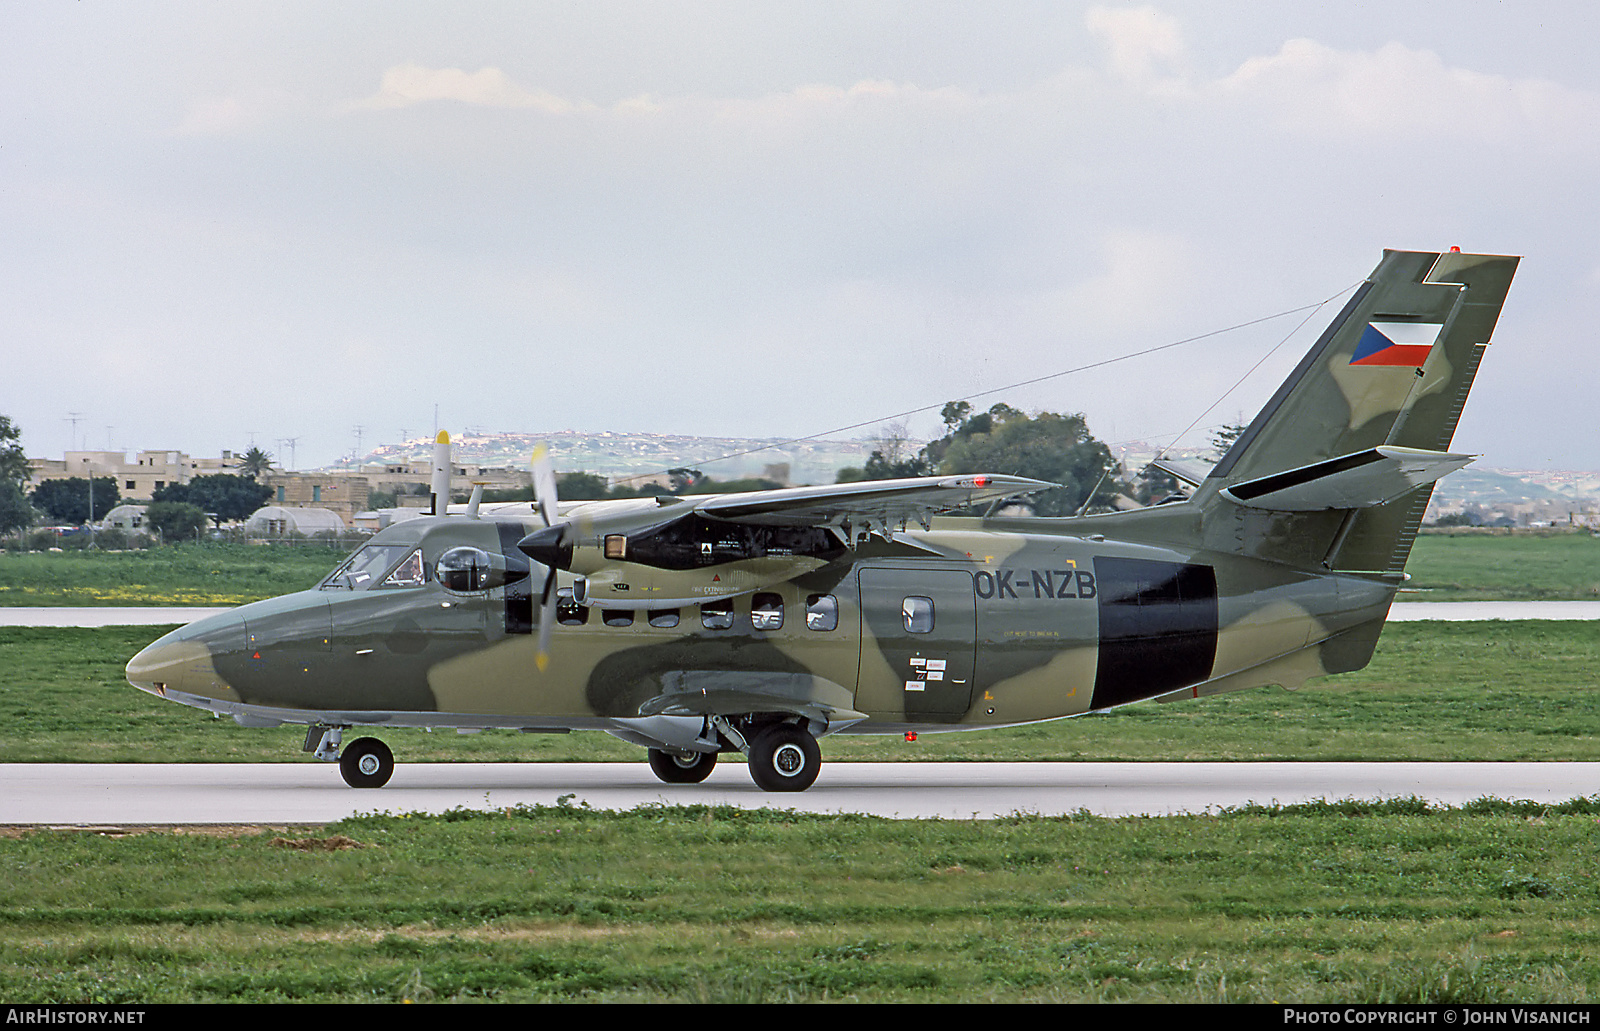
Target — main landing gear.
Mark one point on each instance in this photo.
(780, 756)
(682, 769)
(784, 757)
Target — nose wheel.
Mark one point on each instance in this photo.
(366, 763)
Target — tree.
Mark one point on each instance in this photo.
(175, 520)
(1223, 440)
(683, 480)
(67, 501)
(1153, 485)
(223, 495)
(13, 460)
(581, 486)
(255, 463)
(1047, 446)
(15, 512)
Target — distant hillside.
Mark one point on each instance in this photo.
(818, 461)
(632, 454)
(1492, 487)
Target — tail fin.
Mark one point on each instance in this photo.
(1320, 476)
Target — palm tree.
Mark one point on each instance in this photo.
(256, 462)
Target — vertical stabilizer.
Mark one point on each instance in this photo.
(1393, 370)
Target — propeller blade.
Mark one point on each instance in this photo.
(544, 484)
(547, 618)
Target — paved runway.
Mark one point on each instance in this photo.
(312, 792)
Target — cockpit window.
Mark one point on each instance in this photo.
(409, 573)
(367, 567)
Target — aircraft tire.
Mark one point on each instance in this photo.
(675, 770)
(366, 763)
(784, 757)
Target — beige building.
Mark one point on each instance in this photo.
(343, 494)
(416, 478)
(137, 479)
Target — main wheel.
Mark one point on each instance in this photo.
(784, 757)
(674, 769)
(366, 763)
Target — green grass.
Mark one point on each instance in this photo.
(208, 574)
(1484, 566)
(1392, 902)
(1439, 691)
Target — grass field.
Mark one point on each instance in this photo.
(211, 574)
(1387, 903)
(1480, 566)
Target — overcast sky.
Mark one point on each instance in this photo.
(765, 219)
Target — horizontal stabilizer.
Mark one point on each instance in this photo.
(1362, 480)
(1190, 472)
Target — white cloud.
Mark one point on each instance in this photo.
(1143, 276)
(1312, 87)
(1142, 41)
(408, 84)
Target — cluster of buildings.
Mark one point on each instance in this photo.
(298, 499)
(343, 498)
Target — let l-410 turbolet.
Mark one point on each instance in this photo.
(761, 622)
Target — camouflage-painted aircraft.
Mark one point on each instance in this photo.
(761, 622)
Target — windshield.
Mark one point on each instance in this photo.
(367, 566)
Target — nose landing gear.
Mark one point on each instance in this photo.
(366, 763)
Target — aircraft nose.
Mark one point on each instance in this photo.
(182, 662)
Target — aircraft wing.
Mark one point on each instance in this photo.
(868, 504)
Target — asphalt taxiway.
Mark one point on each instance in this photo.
(312, 792)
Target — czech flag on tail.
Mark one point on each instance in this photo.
(1396, 343)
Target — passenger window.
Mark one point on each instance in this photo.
(918, 615)
(618, 617)
(717, 615)
(569, 612)
(766, 612)
(664, 619)
(822, 612)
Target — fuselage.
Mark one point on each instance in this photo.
(959, 626)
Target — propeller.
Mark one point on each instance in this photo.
(544, 499)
